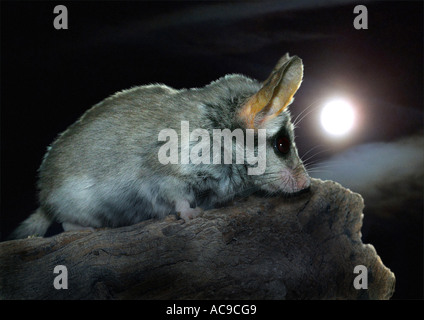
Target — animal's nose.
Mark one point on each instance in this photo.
(303, 182)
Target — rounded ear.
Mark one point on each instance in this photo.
(276, 93)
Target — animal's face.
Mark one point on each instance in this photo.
(267, 109)
(284, 171)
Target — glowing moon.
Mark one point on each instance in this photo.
(337, 117)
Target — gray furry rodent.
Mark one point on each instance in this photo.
(103, 171)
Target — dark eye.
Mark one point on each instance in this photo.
(282, 145)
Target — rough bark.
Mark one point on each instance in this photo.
(257, 248)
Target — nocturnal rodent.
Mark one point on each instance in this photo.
(104, 170)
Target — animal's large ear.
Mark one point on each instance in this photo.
(276, 93)
(281, 62)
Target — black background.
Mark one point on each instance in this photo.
(50, 77)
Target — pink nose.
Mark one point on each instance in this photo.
(303, 182)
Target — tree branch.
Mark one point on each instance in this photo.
(257, 248)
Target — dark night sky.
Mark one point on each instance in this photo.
(50, 77)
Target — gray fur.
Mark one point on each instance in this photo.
(103, 171)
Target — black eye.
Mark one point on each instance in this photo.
(282, 145)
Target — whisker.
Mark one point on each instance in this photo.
(313, 148)
(314, 155)
(315, 163)
(331, 163)
(300, 114)
(318, 170)
(299, 117)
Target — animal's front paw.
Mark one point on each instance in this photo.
(185, 212)
(190, 213)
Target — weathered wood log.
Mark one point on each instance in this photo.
(257, 248)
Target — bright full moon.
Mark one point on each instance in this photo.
(337, 117)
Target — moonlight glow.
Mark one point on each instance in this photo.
(337, 117)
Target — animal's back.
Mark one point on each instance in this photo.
(93, 167)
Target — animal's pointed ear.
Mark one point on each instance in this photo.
(281, 62)
(276, 93)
